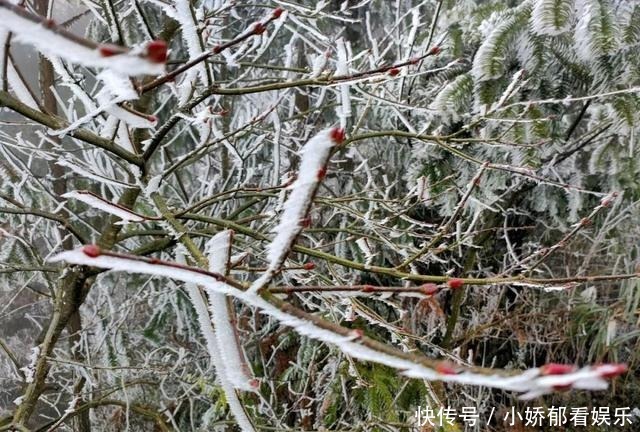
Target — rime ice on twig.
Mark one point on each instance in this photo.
(315, 156)
(18, 85)
(190, 35)
(51, 40)
(531, 383)
(342, 69)
(29, 370)
(217, 352)
(233, 362)
(100, 203)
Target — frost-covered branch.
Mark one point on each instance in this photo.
(531, 383)
(51, 39)
(295, 215)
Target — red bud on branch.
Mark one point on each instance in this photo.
(109, 50)
(337, 135)
(368, 289)
(259, 28)
(455, 283)
(92, 250)
(446, 368)
(556, 369)
(157, 51)
(322, 172)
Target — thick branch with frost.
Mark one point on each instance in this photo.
(530, 383)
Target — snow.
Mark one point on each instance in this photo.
(135, 120)
(190, 35)
(544, 9)
(508, 92)
(118, 85)
(318, 65)
(216, 352)
(18, 86)
(484, 60)
(104, 205)
(315, 156)
(51, 43)
(199, 304)
(69, 82)
(84, 119)
(583, 38)
(88, 174)
(363, 244)
(123, 139)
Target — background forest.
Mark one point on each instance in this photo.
(226, 215)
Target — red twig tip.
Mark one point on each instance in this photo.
(556, 369)
(91, 251)
(277, 13)
(368, 289)
(611, 370)
(435, 50)
(322, 172)
(394, 71)
(305, 222)
(309, 266)
(157, 51)
(337, 135)
(109, 50)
